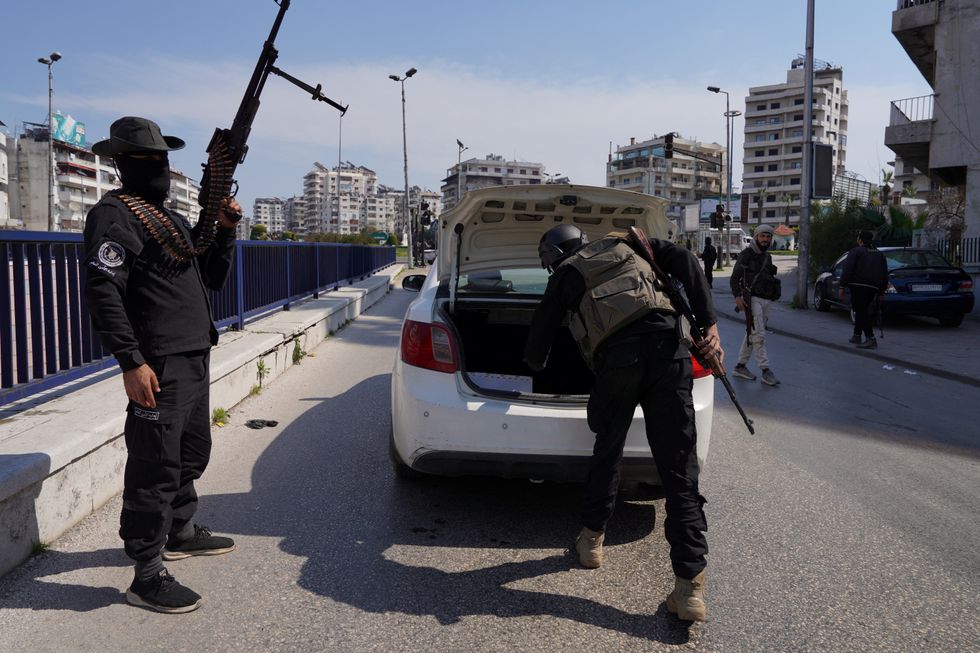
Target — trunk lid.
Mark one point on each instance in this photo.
(500, 227)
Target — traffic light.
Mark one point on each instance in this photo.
(669, 145)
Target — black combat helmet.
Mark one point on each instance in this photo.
(558, 243)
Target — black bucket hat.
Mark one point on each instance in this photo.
(131, 134)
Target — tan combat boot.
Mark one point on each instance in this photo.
(687, 599)
(589, 548)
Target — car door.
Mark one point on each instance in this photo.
(834, 284)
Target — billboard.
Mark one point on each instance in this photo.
(708, 204)
(68, 130)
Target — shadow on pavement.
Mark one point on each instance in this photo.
(35, 592)
(326, 486)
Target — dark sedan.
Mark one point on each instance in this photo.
(920, 282)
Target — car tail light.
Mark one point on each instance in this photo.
(699, 371)
(890, 288)
(965, 286)
(429, 346)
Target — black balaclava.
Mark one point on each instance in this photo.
(145, 177)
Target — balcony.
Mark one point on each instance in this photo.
(914, 25)
(909, 130)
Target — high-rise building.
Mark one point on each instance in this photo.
(294, 211)
(695, 171)
(774, 136)
(939, 134)
(336, 199)
(271, 212)
(492, 170)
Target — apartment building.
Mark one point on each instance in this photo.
(939, 134)
(774, 136)
(271, 212)
(80, 180)
(4, 182)
(696, 170)
(335, 199)
(909, 183)
(492, 170)
(293, 213)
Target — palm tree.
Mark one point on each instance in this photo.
(787, 199)
(887, 176)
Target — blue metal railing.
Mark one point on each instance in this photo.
(46, 338)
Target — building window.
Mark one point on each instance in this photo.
(760, 107)
(773, 151)
(795, 165)
(760, 137)
(774, 137)
(759, 168)
(523, 171)
(794, 181)
(798, 101)
(760, 152)
(771, 213)
(797, 133)
(770, 198)
(797, 149)
(773, 167)
(755, 215)
(797, 117)
(774, 105)
(760, 121)
(510, 171)
(496, 169)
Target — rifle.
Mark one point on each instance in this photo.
(639, 242)
(228, 147)
(749, 319)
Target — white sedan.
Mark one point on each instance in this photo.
(462, 399)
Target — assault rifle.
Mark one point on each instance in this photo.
(638, 241)
(228, 148)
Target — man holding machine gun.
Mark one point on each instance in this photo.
(146, 287)
(755, 287)
(638, 359)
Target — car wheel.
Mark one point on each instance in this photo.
(951, 321)
(402, 470)
(819, 301)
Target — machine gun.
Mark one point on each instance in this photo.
(228, 147)
(638, 241)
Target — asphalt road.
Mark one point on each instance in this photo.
(847, 523)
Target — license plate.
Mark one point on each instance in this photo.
(927, 287)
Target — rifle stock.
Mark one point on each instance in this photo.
(709, 361)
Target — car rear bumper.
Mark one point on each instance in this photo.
(440, 426)
(912, 304)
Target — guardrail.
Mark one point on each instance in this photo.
(913, 109)
(46, 338)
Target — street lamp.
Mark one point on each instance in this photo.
(408, 216)
(459, 170)
(49, 61)
(728, 139)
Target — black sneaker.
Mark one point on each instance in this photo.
(164, 594)
(855, 340)
(202, 544)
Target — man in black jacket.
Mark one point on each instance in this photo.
(709, 256)
(866, 274)
(635, 352)
(147, 275)
(753, 283)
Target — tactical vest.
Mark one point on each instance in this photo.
(619, 289)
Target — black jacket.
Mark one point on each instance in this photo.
(865, 266)
(748, 266)
(566, 287)
(142, 303)
(709, 255)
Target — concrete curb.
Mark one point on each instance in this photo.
(62, 459)
(850, 349)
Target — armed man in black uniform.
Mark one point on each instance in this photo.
(631, 340)
(147, 275)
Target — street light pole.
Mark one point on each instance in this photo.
(459, 170)
(726, 246)
(408, 215)
(49, 61)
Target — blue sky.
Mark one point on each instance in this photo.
(547, 81)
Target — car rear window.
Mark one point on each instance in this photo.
(907, 258)
(529, 281)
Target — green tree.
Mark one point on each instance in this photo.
(898, 227)
(834, 228)
(259, 232)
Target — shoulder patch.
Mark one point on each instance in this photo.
(111, 254)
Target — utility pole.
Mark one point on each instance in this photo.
(49, 61)
(408, 215)
(807, 169)
(459, 171)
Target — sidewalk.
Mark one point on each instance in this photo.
(918, 344)
(62, 453)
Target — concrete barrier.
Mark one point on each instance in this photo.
(62, 454)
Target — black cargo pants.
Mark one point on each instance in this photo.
(645, 372)
(169, 447)
(863, 302)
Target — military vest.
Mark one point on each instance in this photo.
(619, 289)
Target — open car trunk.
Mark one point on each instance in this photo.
(491, 336)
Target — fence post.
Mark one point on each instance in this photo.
(240, 287)
(316, 258)
(289, 278)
